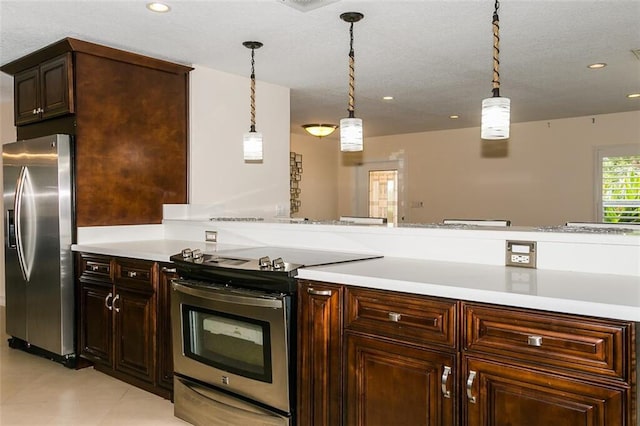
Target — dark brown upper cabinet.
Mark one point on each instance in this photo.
(128, 115)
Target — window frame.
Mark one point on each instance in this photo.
(602, 152)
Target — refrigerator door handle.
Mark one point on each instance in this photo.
(25, 244)
(10, 227)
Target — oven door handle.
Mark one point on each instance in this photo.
(228, 297)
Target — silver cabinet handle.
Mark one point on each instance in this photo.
(394, 316)
(445, 377)
(132, 274)
(94, 268)
(106, 301)
(534, 340)
(35, 111)
(169, 270)
(470, 379)
(319, 292)
(114, 303)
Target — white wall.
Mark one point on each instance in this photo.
(7, 134)
(544, 175)
(219, 115)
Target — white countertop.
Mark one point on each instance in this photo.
(599, 295)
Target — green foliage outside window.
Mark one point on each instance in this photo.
(621, 189)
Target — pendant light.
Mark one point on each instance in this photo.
(351, 127)
(252, 140)
(496, 110)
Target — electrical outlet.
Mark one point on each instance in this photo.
(521, 253)
(211, 236)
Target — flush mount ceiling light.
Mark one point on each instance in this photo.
(633, 95)
(320, 130)
(496, 110)
(351, 127)
(252, 140)
(597, 66)
(158, 7)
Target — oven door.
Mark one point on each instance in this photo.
(233, 339)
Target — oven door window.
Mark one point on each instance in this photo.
(231, 343)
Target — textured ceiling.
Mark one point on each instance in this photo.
(433, 56)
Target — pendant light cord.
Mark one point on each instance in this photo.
(496, 51)
(352, 83)
(253, 92)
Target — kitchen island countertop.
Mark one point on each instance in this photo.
(599, 295)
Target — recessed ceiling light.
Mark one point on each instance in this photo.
(633, 95)
(597, 65)
(158, 7)
(454, 116)
(387, 98)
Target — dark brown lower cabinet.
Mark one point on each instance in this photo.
(418, 360)
(118, 320)
(165, 346)
(501, 394)
(388, 383)
(319, 354)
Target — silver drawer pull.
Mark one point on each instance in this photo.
(534, 340)
(95, 268)
(394, 316)
(470, 379)
(445, 376)
(106, 301)
(132, 274)
(319, 292)
(169, 270)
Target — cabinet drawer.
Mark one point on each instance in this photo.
(546, 339)
(95, 268)
(412, 318)
(136, 274)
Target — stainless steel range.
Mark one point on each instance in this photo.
(234, 333)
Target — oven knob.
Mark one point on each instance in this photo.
(264, 262)
(187, 253)
(278, 263)
(198, 256)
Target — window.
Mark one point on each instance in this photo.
(619, 182)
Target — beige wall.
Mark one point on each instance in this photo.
(7, 134)
(544, 177)
(319, 184)
(219, 115)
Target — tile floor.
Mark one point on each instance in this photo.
(35, 391)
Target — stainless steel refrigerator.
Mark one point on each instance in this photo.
(38, 229)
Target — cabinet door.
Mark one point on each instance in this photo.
(56, 86)
(134, 333)
(390, 383)
(499, 394)
(96, 327)
(319, 354)
(27, 96)
(165, 346)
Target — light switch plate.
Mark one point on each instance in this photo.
(211, 236)
(521, 253)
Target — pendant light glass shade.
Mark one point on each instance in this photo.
(351, 135)
(496, 116)
(252, 146)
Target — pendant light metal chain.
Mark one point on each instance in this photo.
(352, 83)
(253, 92)
(496, 51)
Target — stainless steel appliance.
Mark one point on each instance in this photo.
(38, 229)
(234, 333)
